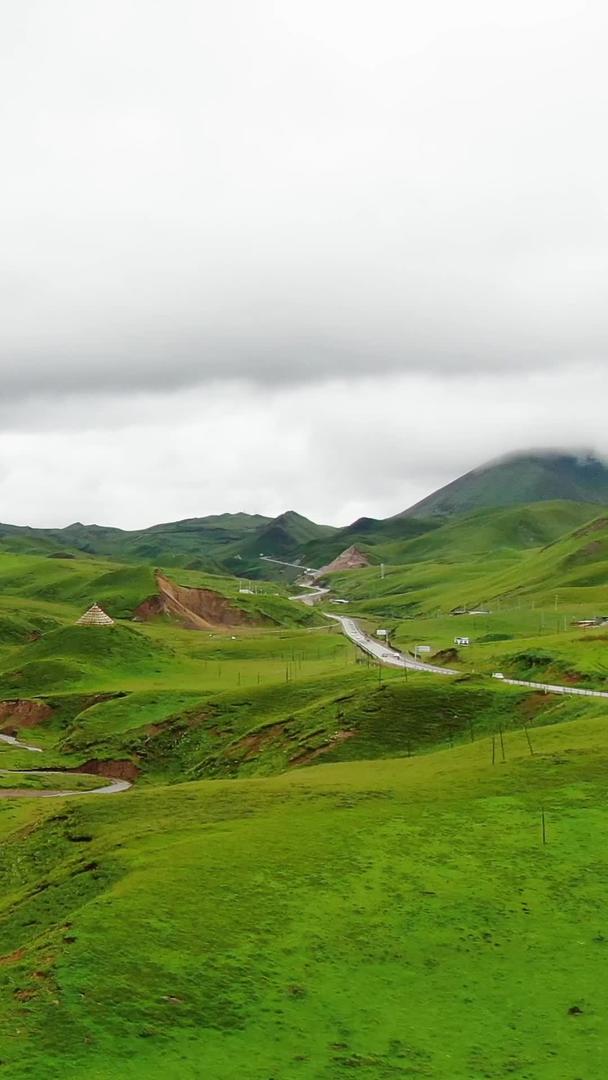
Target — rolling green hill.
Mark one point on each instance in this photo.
(491, 532)
(397, 918)
(233, 542)
(324, 868)
(519, 479)
(476, 560)
(176, 543)
(367, 534)
(230, 542)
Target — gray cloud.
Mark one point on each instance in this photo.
(334, 451)
(289, 192)
(325, 255)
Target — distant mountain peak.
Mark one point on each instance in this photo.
(524, 477)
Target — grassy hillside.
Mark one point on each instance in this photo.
(47, 590)
(233, 542)
(217, 543)
(176, 543)
(76, 583)
(324, 868)
(520, 479)
(390, 918)
(486, 558)
(368, 534)
(327, 711)
(492, 532)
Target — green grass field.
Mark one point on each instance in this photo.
(324, 869)
(54, 782)
(380, 919)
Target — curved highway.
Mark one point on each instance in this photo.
(109, 787)
(389, 656)
(316, 592)
(551, 688)
(383, 652)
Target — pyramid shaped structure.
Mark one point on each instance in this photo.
(95, 616)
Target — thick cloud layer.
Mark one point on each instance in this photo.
(334, 451)
(257, 207)
(201, 190)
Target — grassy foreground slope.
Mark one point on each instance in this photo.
(179, 705)
(386, 919)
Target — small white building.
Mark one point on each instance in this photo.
(462, 641)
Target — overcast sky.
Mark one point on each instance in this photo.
(322, 255)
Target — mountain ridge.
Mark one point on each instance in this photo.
(519, 479)
(234, 541)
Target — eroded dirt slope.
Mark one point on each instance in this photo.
(350, 559)
(195, 609)
(22, 714)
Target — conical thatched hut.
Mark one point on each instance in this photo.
(95, 616)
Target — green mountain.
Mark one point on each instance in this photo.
(285, 536)
(491, 532)
(366, 534)
(175, 542)
(233, 543)
(480, 558)
(575, 564)
(222, 919)
(214, 543)
(520, 479)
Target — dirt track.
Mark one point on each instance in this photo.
(111, 787)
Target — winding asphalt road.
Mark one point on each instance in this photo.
(110, 787)
(372, 646)
(393, 658)
(312, 597)
(380, 651)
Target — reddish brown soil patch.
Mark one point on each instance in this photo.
(181, 721)
(12, 958)
(533, 704)
(23, 713)
(311, 755)
(250, 745)
(195, 609)
(350, 559)
(446, 656)
(572, 677)
(593, 548)
(593, 526)
(115, 770)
